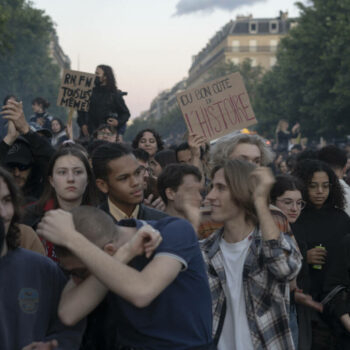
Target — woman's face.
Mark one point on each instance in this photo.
(55, 126)
(107, 135)
(149, 143)
(283, 167)
(284, 125)
(291, 203)
(155, 166)
(69, 178)
(6, 206)
(318, 188)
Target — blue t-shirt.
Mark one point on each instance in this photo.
(30, 289)
(3, 127)
(180, 317)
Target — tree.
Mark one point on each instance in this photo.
(4, 34)
(26, 68)
(171, 126)
(251, 75)
(311, 80)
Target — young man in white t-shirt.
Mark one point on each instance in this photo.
(250, 262)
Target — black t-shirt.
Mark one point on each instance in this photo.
(326, 226)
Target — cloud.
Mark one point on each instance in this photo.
(185, 7)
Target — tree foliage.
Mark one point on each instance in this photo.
(171, 127)
(26, 68)
(4, 34)
(311, 80)
(251, 75)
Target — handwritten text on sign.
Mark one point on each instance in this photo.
(217, 108)
(75, 90)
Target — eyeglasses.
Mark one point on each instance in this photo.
(289, 203)
(313, 186)
(19, 166)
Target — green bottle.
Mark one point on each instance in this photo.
(318, 267)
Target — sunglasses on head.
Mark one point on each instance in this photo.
(19, 166)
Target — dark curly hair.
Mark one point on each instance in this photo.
(283, 184)
(41, 102)
(12, 237)
(160, 143)
(305, 170)
(111, 81)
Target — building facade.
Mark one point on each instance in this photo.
(245, 38)
(164, 102)
(57, 54)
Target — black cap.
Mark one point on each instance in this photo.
(19, 153)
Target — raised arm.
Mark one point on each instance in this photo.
(78, 300)
(279, 249)
(138, 287)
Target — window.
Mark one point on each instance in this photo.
(273, 26)
(253, 45)
(253, 27)
(235, 60)
(235, 45)
(272, 61)
(273, 45)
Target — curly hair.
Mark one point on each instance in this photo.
(160, 143)
(224, 147)
(41, 102)
(305, 170)
(283, 184)
(12, 237)
(111, 81)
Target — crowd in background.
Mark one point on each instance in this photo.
(272, 223)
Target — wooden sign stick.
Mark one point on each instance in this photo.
(70, 123)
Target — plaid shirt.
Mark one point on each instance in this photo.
(268, 268)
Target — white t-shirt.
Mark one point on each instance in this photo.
(235, 334)
(346, 189)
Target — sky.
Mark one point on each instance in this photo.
(149, 44)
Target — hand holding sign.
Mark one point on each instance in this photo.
(217, 108)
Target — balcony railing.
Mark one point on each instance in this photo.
(251, 49)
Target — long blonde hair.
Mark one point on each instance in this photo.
(237, 176)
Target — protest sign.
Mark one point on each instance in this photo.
(75, 90)
(217, 108)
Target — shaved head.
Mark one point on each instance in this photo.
(95, 225)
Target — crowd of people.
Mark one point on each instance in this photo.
(106, 245)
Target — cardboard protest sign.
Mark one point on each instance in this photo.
(217, 108)
(75, 90)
